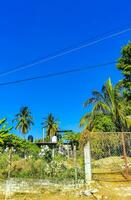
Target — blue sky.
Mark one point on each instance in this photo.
(33, 29)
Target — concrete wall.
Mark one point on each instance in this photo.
(11, 186)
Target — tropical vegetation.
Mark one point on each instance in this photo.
(109, 106)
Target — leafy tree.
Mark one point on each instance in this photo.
(22, 147)
(103, 123)
(3, 126)
(71, 137)
(98, 123)
(24, 120)
(51, 125)
(110, 102)
(124, 64)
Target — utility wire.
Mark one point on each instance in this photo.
(56, 74)
(65, 51)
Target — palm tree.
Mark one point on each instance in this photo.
(51, 125)
(24, 120)
(109, 102)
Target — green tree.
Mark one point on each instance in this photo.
(3, 126)
(71, 137)
(103, 123)
(124, 64)
(98, 122)
(24, 120)
(109, 102)
(3, 129)
(21, 146)
(51, 126)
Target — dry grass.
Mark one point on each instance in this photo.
(110, 164)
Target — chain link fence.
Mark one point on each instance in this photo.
(111, 156)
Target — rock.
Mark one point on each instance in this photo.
(94, 190)
(89, 192)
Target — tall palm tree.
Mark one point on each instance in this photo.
(109, 102)
(51, 125)
(24, 120)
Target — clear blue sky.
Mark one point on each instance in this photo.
(33, 29)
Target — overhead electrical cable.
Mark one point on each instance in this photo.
(56, 74)
(93, 41)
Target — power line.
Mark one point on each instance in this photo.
(56, 74)
(65, 51)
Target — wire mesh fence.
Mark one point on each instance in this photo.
(111, 156)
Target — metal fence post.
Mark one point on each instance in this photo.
(124, 155)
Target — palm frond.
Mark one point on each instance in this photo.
(101, 107)
(90, 101)
(97, 95)
(2, 121)
(85, 119)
